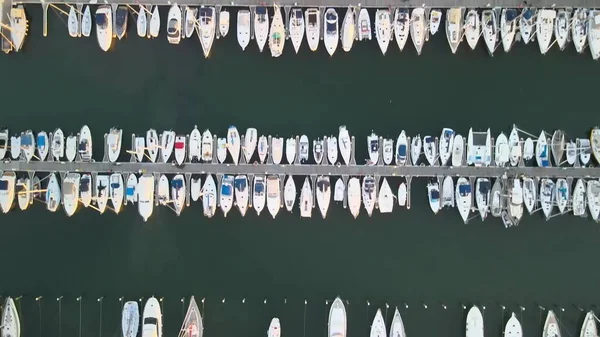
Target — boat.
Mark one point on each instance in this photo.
(385, 198)
(28, 145)
(331, 31)
(276, 149)
(101, 192)
(274, 328)
(593, 198)
(401, 149)
(140, 148)
(151, 145)
(57, 149)
(290, 150)
(433, 193)
(277, 34)
(373, 144)
(364, 22)
(354, 196)
(544, 28)
(86, 22)
(258, 195)
(446, 145)
(474, 324)
(502, 155)
(226, 195)
(541, 151)
(513, 327)
(11, 324)
(297, 28)
(130, 319)
(116, 191)
(18, 26)
(418, 28)
(191, 15)
(397, 328)
(233, 143)
(113, 142)
(261, 26)
(142, 21)
(416, 146)
(195, 188)
(7, 191)
(192, 322)
(489, 24)
(318, 150)
(243, 28)
(53, 195)
(562, 195)
(458, 151)
(263, 148)
(388, 151)
(463, 197)
(530, 194)
(249, 144)
(515, 207)
(84, 145)
(312, 22)
(369, 195)
(70, 188)
(224, 23)
(345, 144)
(561, 28)
(240, 184)
(551, 326)
(145, 195)
(207, 146)
(273, 195)
(85, 189)
(497, 200)
(589, 328)
(430, 150)
(206, 28)
(579, 202)
(209, 197)
(15, 145)
(585, 151)
(383, 29)
(454, 27)
(323, 191)
(178, 193)
(221, 149)
(508, 27)
(289, 193)
(348, 29)
(435, 17)
(332, 150)
(448, 192)
(571, 151)
(558, 146)
(73, 22)
(195, 145)
(402, 25)
(528, 149)
(378, 326)
(472, 28)
(152, 319)
(180, 154)
(595, 142)
(339, 191)
(337, 323)
(130, 189)
(479, 148)
(306, 199)
(304, 148)
(42, 145)
(402, 195)
(527, 23)
(121, 16)
(23, 191)
(173, 24)
(547, 189)
(104, 26)
(579, 29)
(514, 147)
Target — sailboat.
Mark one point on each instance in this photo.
(472, 28)
(290, 150)
(258, 194)
(233, 143)
(348, 29)
(101, 195)
(513, 327)
(547, 189)
(418, 28)
(331, 31)
(579, 29)
(277, 34)
(435, 17)
(528, 149)
(104, 27)
(458, 151)
(223, 22)
(448, 192)
(180, 147)
(261, 26)
(446, 144)
(23, 191)
(489, 24)
(85, 189)
(277, 149)
(195, 145)
(18, 26)
(354, 199)
(152, 319)
(15, 146)
(131, 195)
(337, 322)
(551, 326)
(113, 140)
(589, 328)
(561, 28)
(318, 150)
(383, 29)
(416, 146)
(27, 145)
(73, 22)
(142, 21)
(454, 27)
(345, 144)
(121, 17)
(474, 326)
(178, 193)
(430, 150)
(397, 328)
(364, 23)
(249, 144)
(11, 324)
(297, 28)
(515, 207)
(544, 28)
(7, 191)
(209, 197)
(373, 145)
(191, 15)
(192, 322)
(274, 328)
(70, 188)
(593, 198)
(514, 147)
(263, 148)
(497, 199)
(401, 149)
(85, 144)
(541, 151)
(4, 142)
(173, 24)
(369, 195)
(502, 150)
(527, 23)
(151, 145)
(385, 198)
(508, 27)
(323, 194)
(53, 195)
(206, 28)
(240, 184)
(42, 145)
(86, 22)
(388, 151)
(304, 149)
(585, 151)
(207, 146)
(579, 202)
(332, 150)
(562, 195)
(243, 28)
(145, 195)
(463, 197)
(306, 199)
(273, 195)
(482, 196)
(402, 26)
(530, 194)
(378, 326)
(57, 149)
(130, 319)
(312, 18)
(226, 195)
(289, 193)
(595, 143)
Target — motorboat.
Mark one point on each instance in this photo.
(162, 191)
(497, 199)
(547, 196)
(57, 149)
(7, 191)
(85, 144)
(418, 28)
(433, 193)
(454, 27)
(263, 148)
(53, 195)
(277, 34)
(562, 195)
(458, 151)
(514, 147)
(337, 322)
(226, 194)
(528, 149)
(515, 206)
(489, 24)
(121, 17)
(513, 327)
(589, 328)
(345, 144)
(585, 151)
(479, 148)
(101, 192)
(502, 155)
(206, 28)
(289, 193)
(527, 23)
(401, 149)
(104, 26)
(354, 196)
(191, 17)
(323, 191)
(145, 195)
(277, 150)
(28, 145)
(430, 150)
(508, 27)
(152, 319)
(261, 26)
(541, 151)
(173, 24)
(474, 324)
(378, 326)
(192, 322)
(402, 194)
(233, 143)
(383, 29)
(579, 202)
(130, 319)
(242, 195)
(131, 195)
(402, 25)
(544, 28)
(303, 149)
(595, 142)
(332, 150)
(297, 28)
(70, 148)
(579, 27)
(571, 151)
(180, 149)
(224, 18)
(561, 28)
(243, 28)
(290, 150)
(448, 192)
(73, 22)
(385, 199)
(250, 140)
(195, 145)
(530, 194)
(11, 324)
(558, 146)
(178, 193)
(274, 328)
(207, 146)
(85, 189)
(209, 197)
(258, 195)
(416, 146)
(551, 326)
(472, 28)
(140, 148)
(388, 151)
(348, 29)
(463, 197)
(306, 199)
(195, 188)
(142, 21)
(42, 145)
(113, 142)
(364, 23)
(331, 31)
(593, 198)
(318, 150)
(312, 22)
(340, 190)
(446, 144)
(23, 191)
(116, 191)
(435, 17)
(373, 144)
(273, 195)
(18, 26)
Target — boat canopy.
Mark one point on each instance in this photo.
(375, 145)
(484, 187)
(528, 14)
(3, 185)
(226, 189)
(464, 190)
(102, 20)
(173, 27)
(130, 191)
(83, 146)
(331, 28)
(312, 19)
(323, 185)
(41, 140)
(511, 14)
(26, 140)
(259, 188)
(261, 10)
(240, 184)
(84, 185)
(179, 145)
(402, 151)
(434, 195)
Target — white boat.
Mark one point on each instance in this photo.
(130, 319)
(483, 189)
(489, 24)
(152, 319)
(588, 328)
(378, 326)
(397, 328)
(142, 21)
(418, 28)
(331, 31)
(162, 191)
(258, 195)
(226, 194)
(18, 26)
(528, 149)
(515, 207)
(369, 194)
(416, 147)
(338, 322)
(388, 151)
(446, 144)
(42, 145)
(513, 327)
(401, 149)
(312, 22)
(454, 27)
(544, 28)
(508, 27)
(497, 199)
(448, 192)
(562, 195)
(85, 189)
(85, 144)
(277, 34)
(297, 28)
(242, 194)
(514, 147)
(354, 199)
(306, 199)
(551, 326)
(579, 27)
(101, 192)
(261, 26)
(104, 26)
(502, 155)
(131, 188)
(180, 147)
(402, 195)
(593, 198)
(304, 149)
(57, 149)
(273, 195)
(529, 194)
(145, 195)
(373, 146)
(224, 19)
(151, 145)
(527, 23)
(332, 150)
(479, 148)
(207, 146)
(7, 191)
(195, 145)
(174, 25)
(263, 148)
(113, 140)
(73, 22)
(250, 141)
(430, 150)
(195, 188)
(23, 192)
(277, 149)
(243, 28)
(541, 151)
(579, 202)
(472, 28)
(385, 198)
(11, 324)
(318, 150)
(289, 193)
(206, 28)
(383, 29)
(571, 150)
(53, 195)
(474, 324)
(178, 193)
(116, 191)
(221, 149)
(345, 144)
(561, 28)
(364, 23)
(209, 197)
(340, 190)
(290, 150)
(233, 143)
(86, 22)
(547, 189)
(192, 323)
(463, 197)
(458, 151)
(435, 17)
(401, 26)
(140, 148)
(274, 328)
(323, 191)
(348, 29)
(15, 145)
(595, 142)
(28, 145)
(585, 151)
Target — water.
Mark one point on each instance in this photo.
(408, 257)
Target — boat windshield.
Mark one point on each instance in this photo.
(3, 185)
(102, 20)
(226, 190)
(464, 190)
(173, 27)
(41, 141)
(240, 184)
(259, 188)
(312, 19)
(434, 195)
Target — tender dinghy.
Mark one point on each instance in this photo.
(306, 199)
(258, 195)
(332, 150)
(180, 147)
(579, 29)
(354, 198)
(207, 146)
(401, 26)
(242, 194)
(448, 192)
(547, 189)
(263, 148)
(331, 31)
(454, 27)
(277, 149)
(226, 195)
(385, 199)
(130, 319)
(472, 28)
(173, 24)
(458, 151)
(290, 150)
(435, 17)
(261, 27)
(104, 27)
(530, 194)
(273, 195)
(178, 193)
(415, 149)
(53, 195)
(418, 28)
(340, 190)
(508, 28)
(312, 23)
(545, 28)
(446, 143)
(433, 193)
(383, 29)
(527, 24)
(348, 29)
(130, 190)
(373, 145)
(233, 143)
(402, 195)
(474, 327)
(323, 194)
(250, 141)
(195, 188)
(318, 150)
(145, 195)
(116, 191)
(195, 145)
(289, 193)
(364, 23)
(297, 28)
(243, 28)
(502, 155)
(304, 149)
(206, 28)
(277, 34)
(401, 149)
(345, 144)
(209, 197)
(463, 198)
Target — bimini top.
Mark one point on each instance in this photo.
(101, 20)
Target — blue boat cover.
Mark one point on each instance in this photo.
(464, 189)
(130, 191)
(240, 184)
(41, 141)
(435, 195)
(527, 14)
(259, 188)
(374, 145)
(115, 185)
(101, 20)
(177, 183)
(261, 10)
(511, 14)
(226, 190)
(3, 185)
(402, 151)
(82, 146)
(331, 27)
(26, 140)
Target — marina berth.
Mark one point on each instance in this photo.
(7, 191)
(85, 189)
(378, 328)
(274, 328)
(192, 322)
(209, 197)
(23, 191)
(73, 22)
(70, 188)
(226, 193)
(561, 28)
(18, 26)
(273, 195)
(259, 194)
(513, 327)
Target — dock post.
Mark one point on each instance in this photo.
(380, 153)
(345, 202)
(219, 182)
(250, 189)
(242, 159)
(440, 180)
(188, 157)
(427, 11)
(493, 154)
(287, 9)
(465, 154)
(132, 158)
(269, 150)
(352, 151)
(577, 154)
(159, 147)
(408, 185)
(44, 18)
(125, 179)
(188, 180)
(313, 185)
(408, 154)
(252, 11)
(77, 155)
(297, 157)
(105, 156)
(281, 190)
(93, 183)
(473, 201)
(215, 159)
(377, 180)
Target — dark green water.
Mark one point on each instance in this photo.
(410, 257)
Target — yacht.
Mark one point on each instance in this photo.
(388, 151)
(435, 17)
(527, 23)
(448, 192)
(364, 23)
(297, 28)
(340, 190)
(180, 147)
(162, 191)
(345, 144)
(113, 140)
(579, 29)
(332, 150)
(585, 151)
(174, 25)
(454, 27)
(589, 328)
(547, 189)
(418, 28)
(233, 143)
(85, 189)
(273, 195)
(28, 144)
(130, 319)
(354, 199)
(594, 33)
(206, 28)
(53, 195)
(579, 202)
(402, 25)
(243, 28)
(258, 196)
(515, 207)
(104, 27)
(514, 147)
(331, 31)
(70, 189)
(463, 197)
(221, 150)
(529, 194)
(11, 324)
(385, 199)
(402, 195)
(306, 199)
(544, 28)
(479, 148)
(373, 144)
(561, 28)
(249, 144)
(401, 149)
(42, 145)
(348, 29)
(337, 322)
(541, 151)
(116, 191)
(383, 29)
(416, 146)
(261, 26)
(551, 326)
(528, 149)
(142, 21)
(191, 17)
(290, 150)
(277, 34)
(130, 189)
(226, 195)
(277, 149)
(323, 191)
(508, 27)
(378, 326)
(562, 195)
(101, 192)
(207, 146)
(312, 22)
(433, 193)
(121, 16)
(178, 193)
(489, 24)
(474, 327)
(240, 184)
(57, 149)
(593, 198)
(274, 328)
(458, 151)
(430, 150)
(289, 193)
(446, 143)
(85, 144)
(152, 319)
(145, 195)
(472, 28)
(209, 197)
(195, 145)
(223, 23)
(23, 192)
(513, 327)
(7, 191)
(18, 26)
(502, 155)
(73, 22)
(497, 199)
(304, 149)
(263, 148)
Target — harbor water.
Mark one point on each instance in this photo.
(426, 264)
